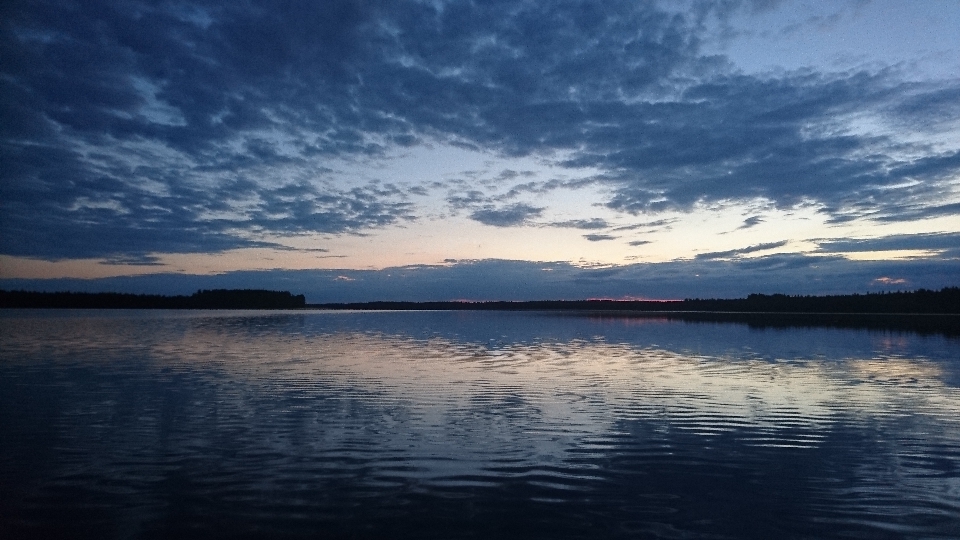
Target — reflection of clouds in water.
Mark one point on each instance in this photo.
(583, 385)
(298, 406)
(580, 387)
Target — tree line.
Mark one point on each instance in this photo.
(202, 299)
(944, 301)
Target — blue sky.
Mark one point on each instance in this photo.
(360, 150)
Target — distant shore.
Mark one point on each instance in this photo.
(922, 311)
(945, 301)
(202, 299)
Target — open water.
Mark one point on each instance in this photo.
(154, 424)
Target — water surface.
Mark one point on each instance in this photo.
(126, 424)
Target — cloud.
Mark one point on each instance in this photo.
(762, 149)
(639, 242)
(945, 242)
(112, 218)
(751, 221)
(586, 224)
(737, 252)
(599, 237)
(508, 216)
(649, 225)
(467, 200)
(204, 126)
(133, 260)
(933, 110)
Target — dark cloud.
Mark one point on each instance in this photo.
(751, 221)
(933, 110)
(585, 224)
(930, 241)
(652, 225)
(752, 139)
(599, 237)
(737, 252)
(469, 199)
(193, 126)
(639, 242)
(508, 216)
(104, 216)
(915, 211)
(133, 260)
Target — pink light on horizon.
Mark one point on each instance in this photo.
(632, 299)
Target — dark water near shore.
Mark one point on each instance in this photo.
(471, 424)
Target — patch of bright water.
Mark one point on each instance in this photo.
(452, 424)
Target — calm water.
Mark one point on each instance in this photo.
(471, 424)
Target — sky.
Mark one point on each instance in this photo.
(356, 150)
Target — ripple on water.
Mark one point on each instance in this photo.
(412, 425)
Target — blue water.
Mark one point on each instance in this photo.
(153, 424)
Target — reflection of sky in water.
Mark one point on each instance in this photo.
(863, 426)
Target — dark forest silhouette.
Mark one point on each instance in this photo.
(922, 311)
(202, 299)
(944, 301)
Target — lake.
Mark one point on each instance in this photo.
(202, 424)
